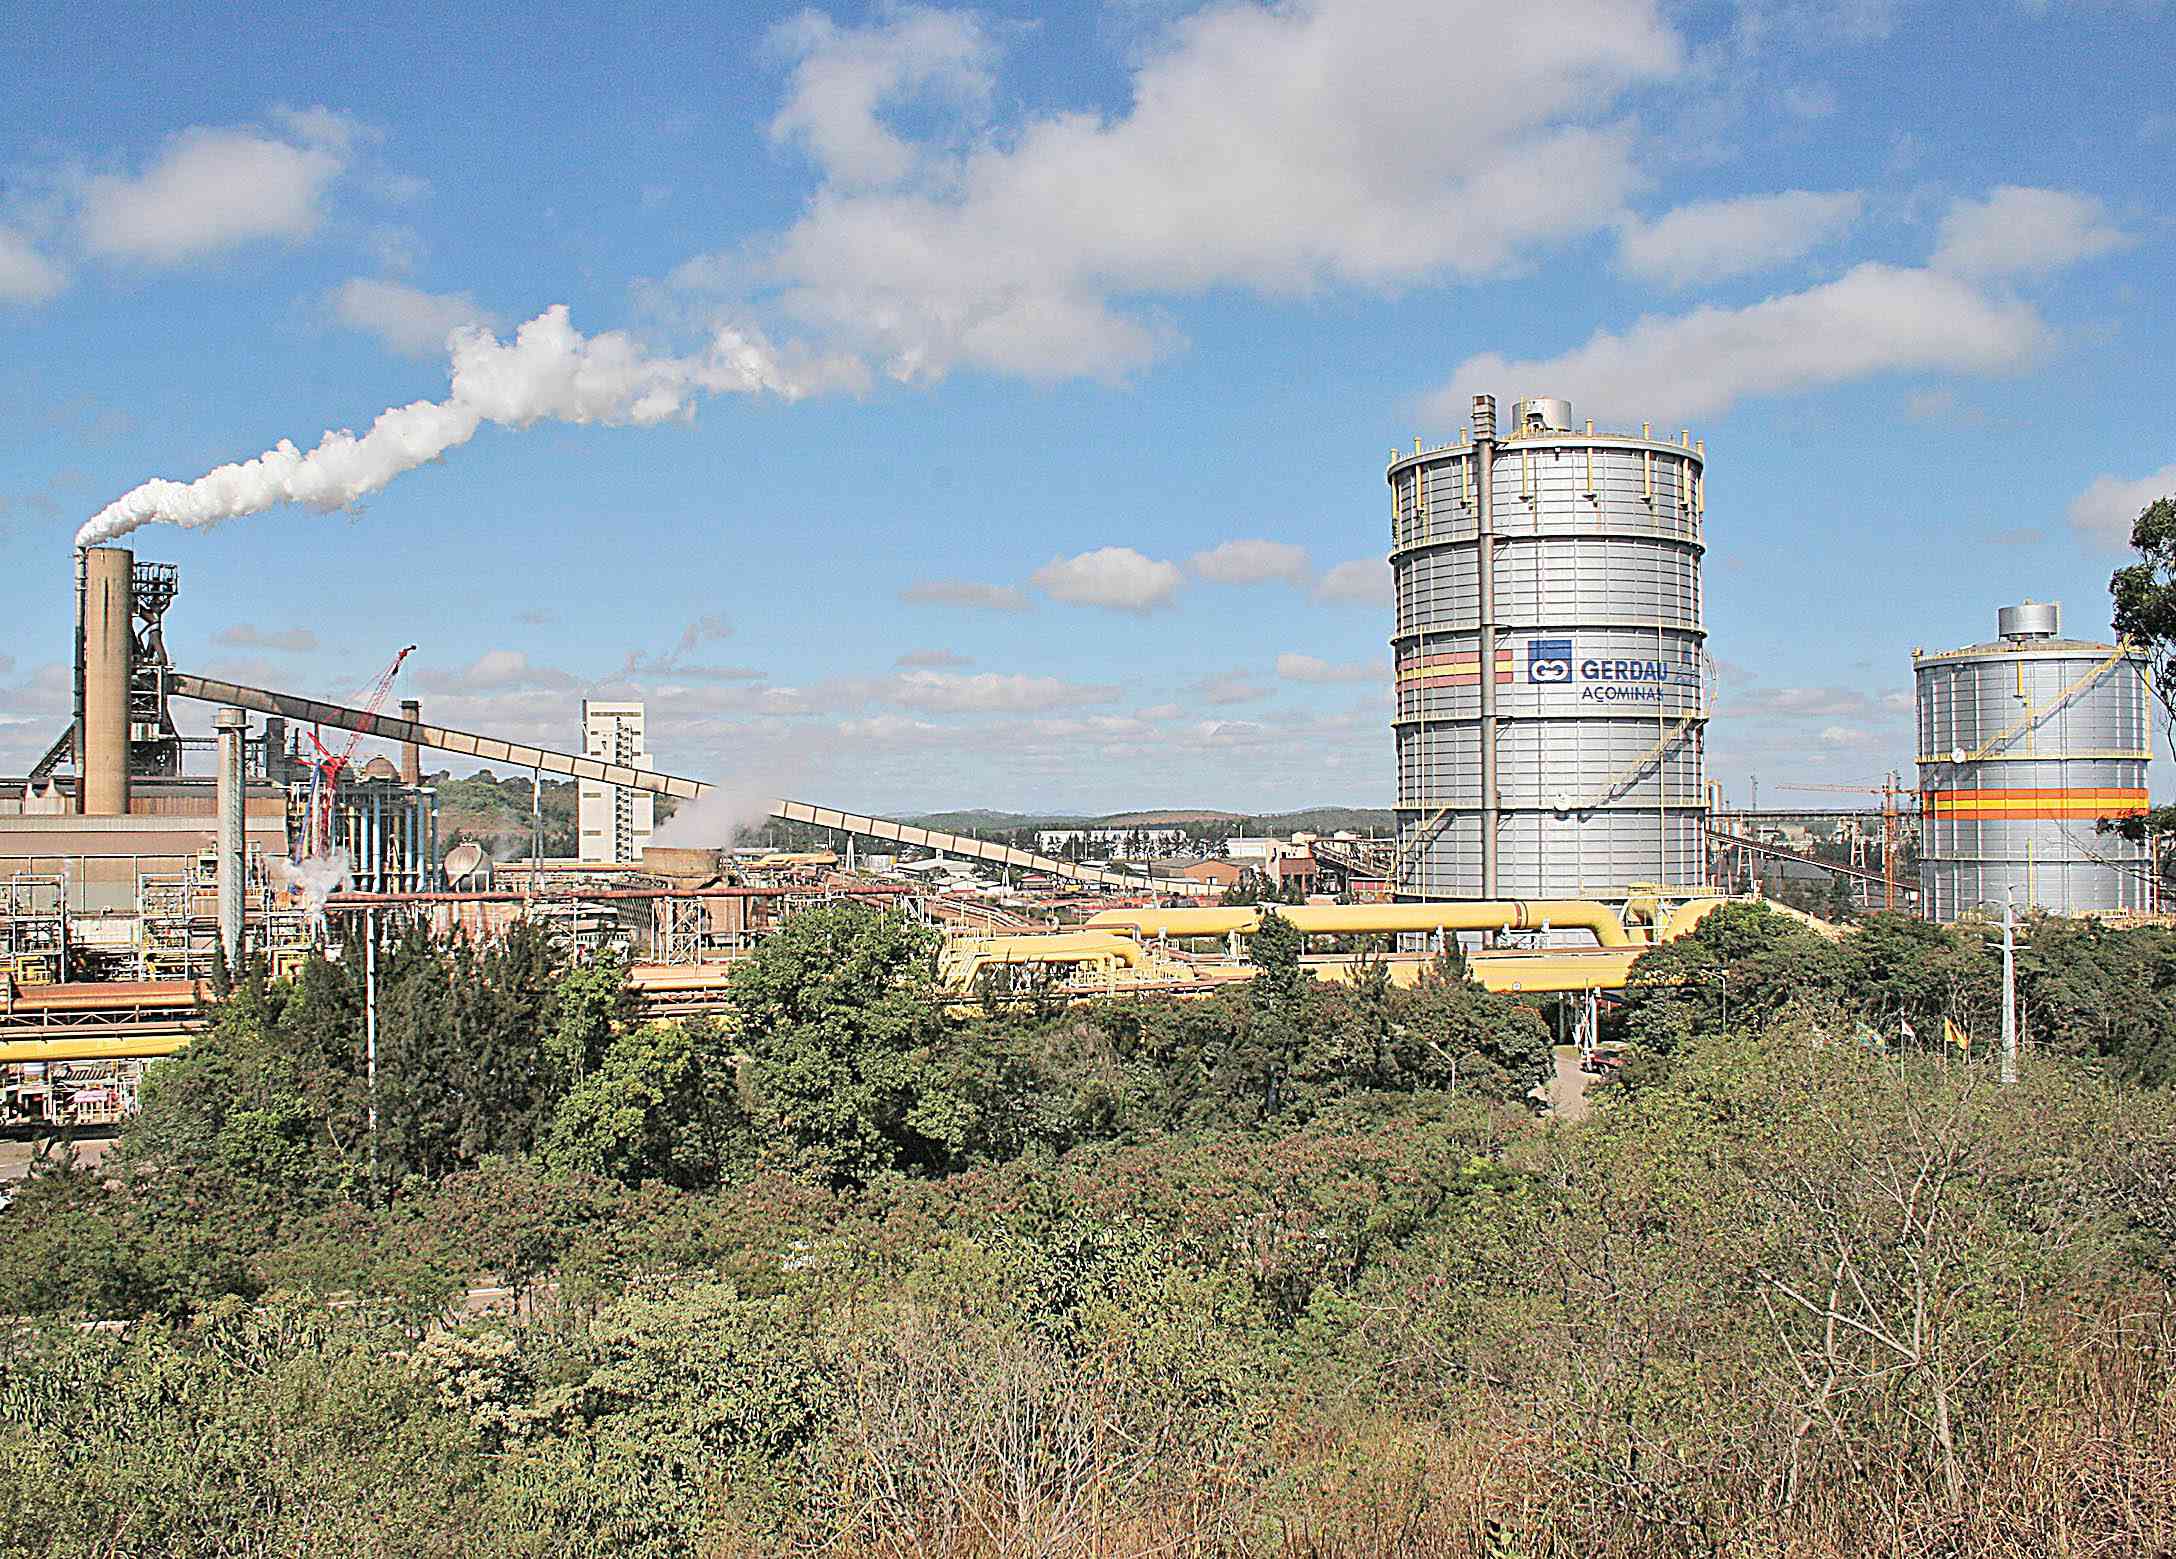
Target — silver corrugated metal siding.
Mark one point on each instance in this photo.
(1601, 773)
(1980, 837)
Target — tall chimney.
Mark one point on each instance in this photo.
(411, 756)
(109, 652)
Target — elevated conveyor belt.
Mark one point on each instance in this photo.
(983, 850)
(492, 749)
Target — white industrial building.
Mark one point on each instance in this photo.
(614, 824)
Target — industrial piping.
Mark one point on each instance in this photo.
(543, 760)
(233, 727)
(1378, 919)
(1484, 444)
(438, 737)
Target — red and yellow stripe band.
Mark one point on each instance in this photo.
(2006, 806)
(1455, 670)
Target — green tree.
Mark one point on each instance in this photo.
(2145, 616)
(1278, 997)
(1455, 1034)
(1745, 959)
(661, 1103)
(839, 1011)
(588, 1003)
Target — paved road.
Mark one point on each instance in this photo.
(1568, 1089)
(16, 1153)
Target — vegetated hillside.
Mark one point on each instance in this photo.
(498, 813)
(1288, 1270)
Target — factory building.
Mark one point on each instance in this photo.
(118, 824)
(2026, 744)
(1550, 649)
(614, 823)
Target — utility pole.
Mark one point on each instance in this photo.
(1888, 843)
(370, 1036)
(2009, 986)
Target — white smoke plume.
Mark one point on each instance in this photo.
(307, 884)
(719, 816)
(549, 372)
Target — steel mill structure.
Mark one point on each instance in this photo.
(2026, 744)
(1550, 647)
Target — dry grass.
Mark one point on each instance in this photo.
(958, 1451)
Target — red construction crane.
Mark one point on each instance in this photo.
(1889, 789)
(327, 766)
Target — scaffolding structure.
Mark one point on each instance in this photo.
(34, 937)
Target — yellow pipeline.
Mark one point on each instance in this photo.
(1071, 947)
(1505, 915)
(16, 1051)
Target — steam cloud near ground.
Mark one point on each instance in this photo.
(718, 817)
(549, 372)
(307, 884)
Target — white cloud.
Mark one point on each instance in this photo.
(2018, 231)
(2105, 512)
(210, 189)
(1845, 736)
(933, 660)
(965, 592)
(1274, 148)
(1232, 687)
(896, 731)
(245, 636)
(1361, 582)
(1230, 733)
(1253, 562)
(846, 74)
(951, 693)
(1797, 703)
(1874, 319)
(1116, 577)
(1710, 240)
(498, 671)
(27, 276)
(1295, 667)
(407, 319)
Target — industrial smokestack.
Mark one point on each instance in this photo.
(549, 372)
(411, 756)
(109, 649)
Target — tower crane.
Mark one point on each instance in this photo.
(1890, 788)
(327, 766)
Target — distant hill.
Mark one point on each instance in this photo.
(1321, 820)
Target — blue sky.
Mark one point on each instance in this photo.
(988, 406)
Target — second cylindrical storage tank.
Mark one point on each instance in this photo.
(1598, 683)
(2025, 744)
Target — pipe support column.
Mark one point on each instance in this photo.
(1484, 445)
(233, 790)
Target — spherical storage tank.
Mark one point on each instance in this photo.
(1584, 605)
(2025, 744)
